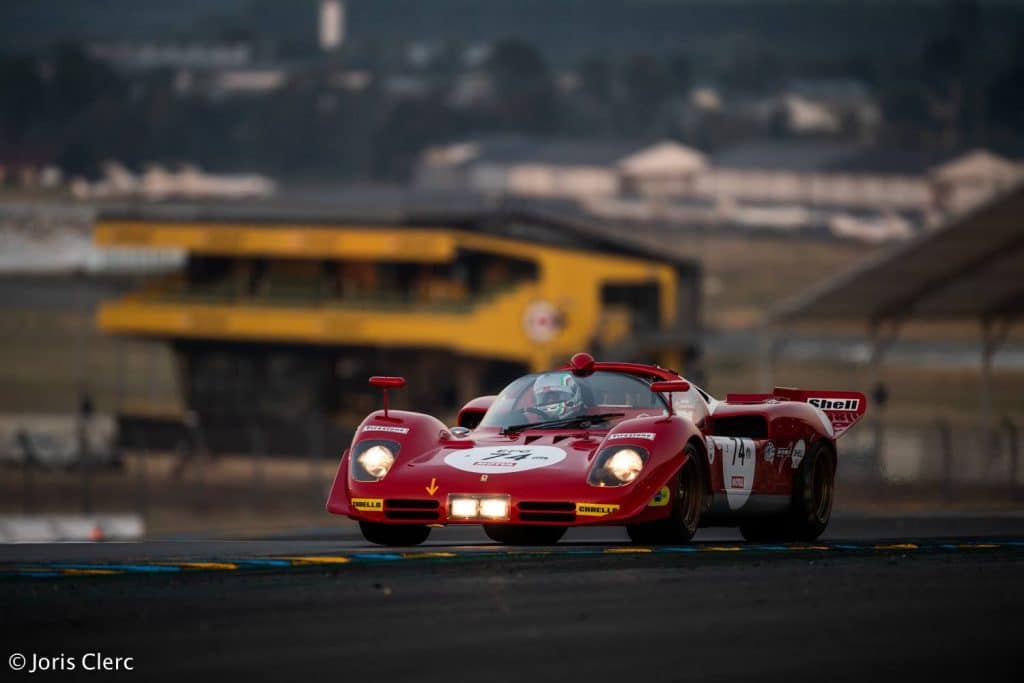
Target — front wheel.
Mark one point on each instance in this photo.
(394, 534)
(517, 534)
(687, 507)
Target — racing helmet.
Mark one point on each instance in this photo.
(557, 395)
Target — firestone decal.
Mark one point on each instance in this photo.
(386, 428)
(738, 460)
(649, 436)
(504, 459)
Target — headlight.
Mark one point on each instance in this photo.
(377, 460)
(617, 466)
(466, 506)
(625, 465)
(373, 463)
(494, 508)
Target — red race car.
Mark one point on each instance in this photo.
(599, 443)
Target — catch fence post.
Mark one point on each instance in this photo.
(945, 435)
(1013, 446)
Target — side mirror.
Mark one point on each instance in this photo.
(473, 412)
(385, 383)
(670, 387)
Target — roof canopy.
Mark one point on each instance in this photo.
(972, 267)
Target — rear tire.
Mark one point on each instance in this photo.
(394, 534)
(514, 534)
(811, 506)
(687, 507)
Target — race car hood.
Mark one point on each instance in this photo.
(510, 463)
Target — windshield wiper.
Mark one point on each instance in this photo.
(580, 420)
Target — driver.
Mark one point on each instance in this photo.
(557, 395)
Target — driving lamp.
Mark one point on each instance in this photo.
(625, 465)
(377, 460)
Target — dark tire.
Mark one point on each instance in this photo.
(394, 534)
(687, 507)
(811, 506)
(813, 491)
(517, 534)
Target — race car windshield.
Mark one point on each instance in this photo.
(560, 396)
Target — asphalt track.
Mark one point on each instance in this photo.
(938, 598)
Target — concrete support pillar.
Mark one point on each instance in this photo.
(988, 348)
(993, 334)
(880, 337)
(768, 348)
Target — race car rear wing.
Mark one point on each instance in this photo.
(842, 408)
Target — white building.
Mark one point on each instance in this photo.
(774, 184)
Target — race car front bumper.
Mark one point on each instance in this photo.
(600, 506)
(467, 500)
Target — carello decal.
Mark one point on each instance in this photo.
(368, 504)
(595, 509)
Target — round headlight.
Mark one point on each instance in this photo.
(625, 465)
(377, 460)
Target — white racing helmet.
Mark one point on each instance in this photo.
(557, 395)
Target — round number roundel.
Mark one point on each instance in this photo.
(542, 321)
(504, 459)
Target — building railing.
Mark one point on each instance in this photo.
(169, 291)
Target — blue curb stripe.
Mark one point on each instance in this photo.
(62, 569)
(145, 568)
(262, 563)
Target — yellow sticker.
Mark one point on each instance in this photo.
(661, 498)
(368, 504)
(595, 509)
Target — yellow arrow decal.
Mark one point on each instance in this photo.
(432, 489)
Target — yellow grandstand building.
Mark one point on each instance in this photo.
(284, 313)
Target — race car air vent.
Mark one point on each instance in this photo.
(750, 426)
(411, 514)
(533, 437)
(413, 504)
(400, 508)
(547, 516)
(547, 506)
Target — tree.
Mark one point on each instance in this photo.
(524, 95)
(647, 88)
(680, 73)
(22, 97)
(596, 79)
(78, 80)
